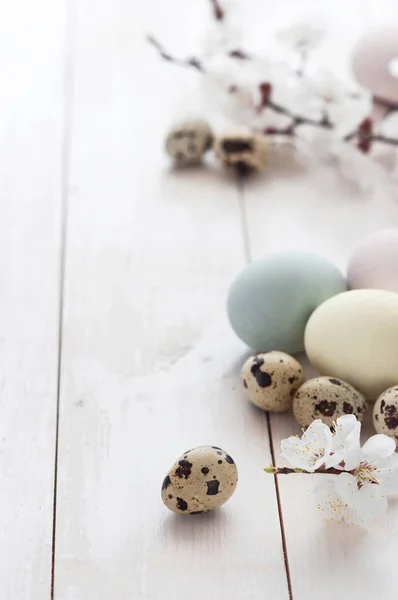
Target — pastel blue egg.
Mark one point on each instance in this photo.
(271, 299)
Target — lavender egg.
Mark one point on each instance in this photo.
(375, 263)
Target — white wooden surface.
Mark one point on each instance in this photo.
(148, 364)
(31, 111)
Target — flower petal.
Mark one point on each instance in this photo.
(371, 501)
(346, 487)
(388, 464)
(309, 452)
(345, 440)
(334, 459)
(330, 505)
(389, 482)
(319, 434)
(293, 449)
(352, 459)
(378, 446)
(349, 428)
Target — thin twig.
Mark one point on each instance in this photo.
(197, 64)
(297, 120)
(289, 471)
(373, 138)
(324, 123)
(218, 11)
(181, 62)
(384, 140)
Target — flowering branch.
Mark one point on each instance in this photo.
(363, 134)
(366, 473)
(287, 471)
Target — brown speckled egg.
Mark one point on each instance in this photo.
(327, 398)
(385, 413)
(201, 480)
(271, 380)
(243, 150)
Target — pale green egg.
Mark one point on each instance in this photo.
(271, 299)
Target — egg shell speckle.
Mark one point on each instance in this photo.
(385, 413)
(202, 479)
(188, 141)
(327, 398)
(271, 380)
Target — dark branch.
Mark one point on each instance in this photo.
(239, 54)
(324, 123)
(366, 137)
(385, 140)
(218, 12)
(289, 471)
(182, 62)
(373, 138)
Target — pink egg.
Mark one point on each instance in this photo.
(374, 62)
(375, 263)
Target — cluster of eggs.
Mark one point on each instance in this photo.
(348, 327)
(242, 150)
(287, 303)
(275, 382)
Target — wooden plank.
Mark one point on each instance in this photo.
(314, 209)
(307, 206)
(31, 122)
(149, 365)
(338, 559)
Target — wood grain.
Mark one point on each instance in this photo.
(314, 209)
(149, 364)
(31, 123)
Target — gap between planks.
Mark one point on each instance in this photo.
(67, 117)
(248, 259)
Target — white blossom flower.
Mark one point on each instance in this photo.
(356, 166)
(311, 450)
(301, 36)
(222, 39)
(345, 104)
(345, 440)
(360, 491)
(331, 506)
(357, 491)
(389, 125)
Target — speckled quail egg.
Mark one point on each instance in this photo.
(202, 479)
(243, 150)
(385, 413)
(188, 141)
(271, 380)
(327, 398)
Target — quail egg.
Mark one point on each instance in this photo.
(188, 141)
(327, 398)
(271, 380)
(243, 150)
(385, 413)
(202, 479)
